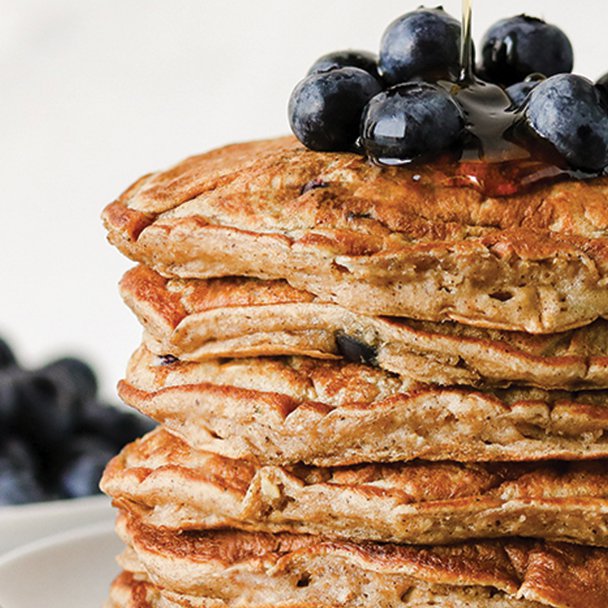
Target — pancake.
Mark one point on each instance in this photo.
(232, 568)
(137, 591)
(402, 242)
(129, 591)
(133, 591)
(167, 484)
(327, 413)
(195, 320)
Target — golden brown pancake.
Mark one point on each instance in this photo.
(169, 485)
(231, 568)
(295, 409)
(381, 241)
(129, 591)
(196, 320)
(133, 591)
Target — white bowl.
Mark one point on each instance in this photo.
(26, 523)
(70, 570)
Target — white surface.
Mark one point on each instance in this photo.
(97, 92)
(24, 524)
(72, 570)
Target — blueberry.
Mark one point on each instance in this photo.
(10, 379)
(409, 121)
(18, 487)
(354, 350)
(519, 91)
(18, 483)
(422, 44)
(313, 184)
(568, 112)
(363, 60)
(82, 471)
(16, 453)
(165, 360)
(115, 426)
(75, 373)
(325, 109)
(602, 85)
(48, 409)
(7, 357)
(51, 400)
(515, 47)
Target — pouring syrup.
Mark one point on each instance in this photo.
(491, 160)
(466, 43)
(488, 110)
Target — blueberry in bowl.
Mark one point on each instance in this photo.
(19, 482)
(83, 466)
(7, 357)
(56, 435)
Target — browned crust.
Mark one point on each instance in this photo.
(375, 240)
(196, 320)
(131, 591)
(195, 563)
(170, 485)
(325, 413)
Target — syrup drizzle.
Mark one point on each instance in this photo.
(466, 43)
(488, 110)
(492, 162)
(499, 156)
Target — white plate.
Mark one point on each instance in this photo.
(24, 524)
(69, 570)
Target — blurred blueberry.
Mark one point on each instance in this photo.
(49, 409)
(7, 357)
(112, 424)
(325, 108)
(568, 112)
(515, 47)
(363, 60)
(424, 43)
(409, 121)
(10, 379)
(19, 487)
(75, 373)
(18, 483)
(518, 92)
(83, 469)
(16, 452)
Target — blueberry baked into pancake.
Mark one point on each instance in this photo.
(378, 349)
(291, 409)
(374, 239)
(198, 320)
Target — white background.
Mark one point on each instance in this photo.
(94, 93)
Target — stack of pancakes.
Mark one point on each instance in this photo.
(376, 387)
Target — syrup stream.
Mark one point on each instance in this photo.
(487, 108)
(494, 160)
(491, 163)
(466, 43)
